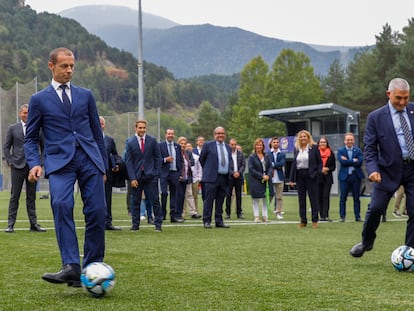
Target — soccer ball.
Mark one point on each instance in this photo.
(402, 258)
(98, 279)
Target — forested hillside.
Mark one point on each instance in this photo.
(26, 39)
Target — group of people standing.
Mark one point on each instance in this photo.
(63, 120)
(311, 173)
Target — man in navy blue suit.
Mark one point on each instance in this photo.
(389, 160)
(216, 160)
(74, 150)
(143, 162)
(171, 169)
(350, 175)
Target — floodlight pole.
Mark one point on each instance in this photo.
(140, 66)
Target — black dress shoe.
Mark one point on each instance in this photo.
(158, 229)
(207, 225)
(150, 221)
(359, 249)
(69, 274)
(9, 229)
(222, 225)
(240, 217)
(111, 227)
(180, 220)
(134, 228)
(196, 216)
(37, 228)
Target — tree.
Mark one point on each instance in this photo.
(245, 124)
(208, 119)
(334, 83)
(403, 67)
(292, 81)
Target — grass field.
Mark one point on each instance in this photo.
(273, 266)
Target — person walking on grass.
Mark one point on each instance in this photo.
(389, 160)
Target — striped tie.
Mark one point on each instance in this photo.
(407, 135)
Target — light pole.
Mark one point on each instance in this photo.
(140, 66)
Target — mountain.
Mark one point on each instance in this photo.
(194, 50)
(106, 16)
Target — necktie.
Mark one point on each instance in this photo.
(170, 150)
(351, 168)
(24, 129)
(65, 98)
(142, 145)
(407, 135)
(222, 158)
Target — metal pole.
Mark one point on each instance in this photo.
(140, 66)
(17, 101)
(159, 123)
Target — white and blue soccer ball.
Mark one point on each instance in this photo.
(402, 258)
(98, 279)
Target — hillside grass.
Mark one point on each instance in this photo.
(273, 266)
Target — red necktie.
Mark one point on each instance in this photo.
(142, 145)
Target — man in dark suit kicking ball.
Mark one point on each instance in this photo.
(74, 150)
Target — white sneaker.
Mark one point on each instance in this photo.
(396, 214)
(257, 219)
(279, 216)
(143, 218)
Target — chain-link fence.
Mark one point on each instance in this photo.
(120, 126)
(10, 100)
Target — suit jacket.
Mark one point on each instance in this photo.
(63, 131)
(165, 167)
(209, 161)
(13, 146)
(278, 164)
(117, 179)
(345, 164)
(257, 188)
(315, 163)
(382, 152)
(143, 166)
(331, 164)
(241, 165)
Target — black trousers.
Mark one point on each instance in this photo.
(18, 177)
(237, 185)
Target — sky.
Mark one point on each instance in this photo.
(323, 22)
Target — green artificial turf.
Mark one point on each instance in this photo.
(273, 266)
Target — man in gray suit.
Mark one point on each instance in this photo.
(14, 153)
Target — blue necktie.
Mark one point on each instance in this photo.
(65, 98)
(351, 168)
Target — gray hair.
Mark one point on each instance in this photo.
(398, 84)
